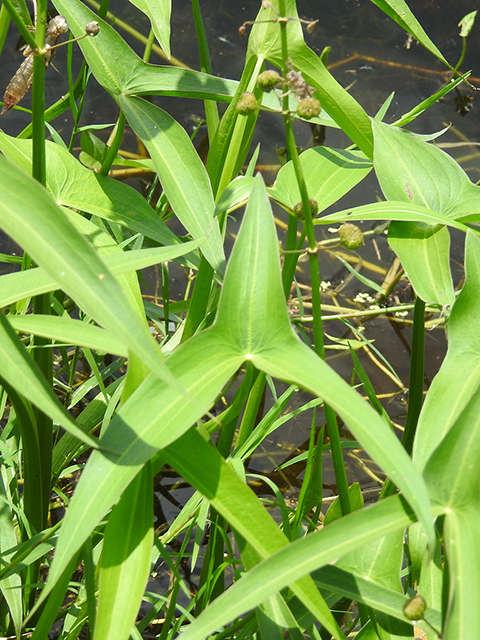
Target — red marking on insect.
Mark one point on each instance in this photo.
(409, 191)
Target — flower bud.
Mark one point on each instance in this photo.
(268, 79)
(351, 236)
(414, 608)
(308, 108)
(247, 104)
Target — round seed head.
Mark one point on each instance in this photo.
(268, 79)
(415, 608)
(309, 108)
(298, 209)
(247, 104)
(351, 236)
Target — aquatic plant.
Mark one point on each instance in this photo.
(410, 557)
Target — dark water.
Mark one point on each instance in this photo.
(371, 55)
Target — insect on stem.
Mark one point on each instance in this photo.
(22, 81)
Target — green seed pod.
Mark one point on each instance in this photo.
(268, 79)
(308, 108)
(415, 608)
(298, 209)
(351, 236)
(247, 104)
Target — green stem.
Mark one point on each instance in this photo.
(148, 46)
(462, 56)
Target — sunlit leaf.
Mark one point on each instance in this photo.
(159, 15)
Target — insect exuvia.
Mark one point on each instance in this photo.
(22, 81)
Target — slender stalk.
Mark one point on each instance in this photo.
(148, 46)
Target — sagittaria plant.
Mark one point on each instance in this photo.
(77, 226)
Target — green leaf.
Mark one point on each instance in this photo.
(340, 105)
(234, 195)
(424, 251)
(159, 15)
(54, 603)
(391, 210)
(152, 417)
(452, 469)
(181, 172)
(70, 332)
(334, 511)
(292, 362)
(466, 23)
(75, 186)
(352, 584)
(399, 11)
(461, 535)
(459, 375)
(125, 564)
(109, 57)
(412, 170)
(329, 174)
